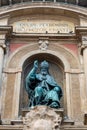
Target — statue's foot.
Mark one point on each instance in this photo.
(54, 105)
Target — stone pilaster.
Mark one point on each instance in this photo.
(5, 33)
(81, 33)
(84, 52)
(2, 49)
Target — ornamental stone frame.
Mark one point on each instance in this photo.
(14, 69)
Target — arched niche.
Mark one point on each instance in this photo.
(56, 69)
(22, 60)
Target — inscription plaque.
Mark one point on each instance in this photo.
(43, 26)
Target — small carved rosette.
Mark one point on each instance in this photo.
(43, 45)
(42, 118)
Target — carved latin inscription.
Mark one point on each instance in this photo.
(43, 26)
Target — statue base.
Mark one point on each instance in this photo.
(42, 118)
(58, 111)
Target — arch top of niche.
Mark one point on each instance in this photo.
(67, 57)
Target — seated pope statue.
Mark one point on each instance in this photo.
(42, 88)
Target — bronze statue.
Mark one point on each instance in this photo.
(42, 88)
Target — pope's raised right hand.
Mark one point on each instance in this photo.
(36, 64)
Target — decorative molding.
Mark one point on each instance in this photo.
(74, 71)
(81, 31)
(26, 5)
(2, 45)
(30, 53)
(84, 41)
(82, 47)
(12, 70)
(43, 45)
(6, 30)
(84, 38)
(41, 118)
(67, 36)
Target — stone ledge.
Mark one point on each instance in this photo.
(68, 122)
(17, 122)
(64, 123)
(16, 127)
(58, 111)
(73, 128)
(10, 127)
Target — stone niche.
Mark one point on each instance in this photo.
(55, 69)
(61, 61)
(42, 118)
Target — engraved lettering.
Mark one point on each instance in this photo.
(51, 26)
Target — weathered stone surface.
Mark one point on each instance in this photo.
(42, 118)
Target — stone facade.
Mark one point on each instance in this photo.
(56, 33)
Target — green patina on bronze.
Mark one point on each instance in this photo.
(42, 88)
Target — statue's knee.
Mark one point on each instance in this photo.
(57, 89)
(38, 89)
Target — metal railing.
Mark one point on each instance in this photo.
(75, 2)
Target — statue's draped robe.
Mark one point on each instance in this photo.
(42, 90)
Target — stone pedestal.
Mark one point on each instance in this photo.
(42, 118)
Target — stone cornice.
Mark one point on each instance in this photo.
(81, 30)
(3, 46)
(42, 5)
(6, 30)
(81, 33)
(45, 35)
